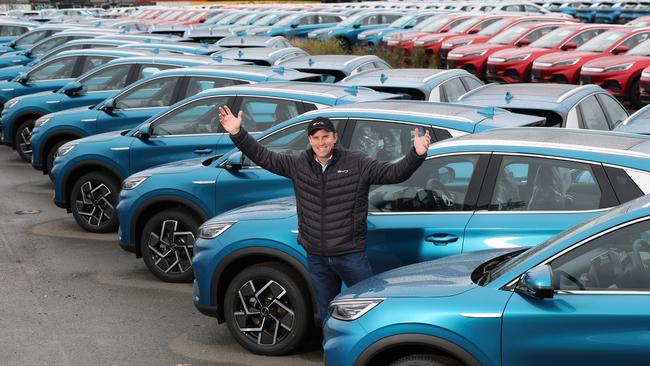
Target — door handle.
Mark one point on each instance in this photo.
(202, 151)
(442, 238)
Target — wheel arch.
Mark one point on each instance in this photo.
(53, 140)
(234, 262)
(83, 168)
(22, 117)
(155, 205)
(391, 348)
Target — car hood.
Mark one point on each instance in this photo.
(264, 29)
(615, 60)
(464, 38)
(478, 48)
(278, 208)
(373, 32)
(78, 113)
(326, 30)
(514, 52)
(427, 37)
(177, 167)
(101, 137)
(562, 55)
(447, 276)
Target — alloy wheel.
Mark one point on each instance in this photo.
(95, 205)
(170, 249)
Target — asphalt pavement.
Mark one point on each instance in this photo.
(68, 297)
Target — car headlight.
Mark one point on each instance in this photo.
(41, 121)
(620, 67)
(134, 181)
(447, 44)
(570, 62)
(212, 230)
(645, 74)
(471, 54)
(496, 59)
(591, 69)
(518, 58)
(11, 103)
(311, 35)
(64, 149)
(348, 310)
(362, 36)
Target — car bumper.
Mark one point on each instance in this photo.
(474, 65)
(614, 82)
(506, 72)
(342, 340)
(564, 75)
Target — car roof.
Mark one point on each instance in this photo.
(422, 79)
(317, 92)
(165, 57)
(248, 40)
(526, 95)
(328, 62)
(250, 72)
(187, 46)
(104, 52)
(255, 53)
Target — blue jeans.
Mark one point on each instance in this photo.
(326, 274)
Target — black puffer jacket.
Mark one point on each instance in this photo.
(332, 206)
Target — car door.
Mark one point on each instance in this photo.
(139, 103)
(526, 199)
(52, 75)
(426, 215)
(599, 313)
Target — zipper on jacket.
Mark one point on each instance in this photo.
(323, 182)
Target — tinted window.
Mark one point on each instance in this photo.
(155, 93)
(453, 88)
(11, 31)
(110, 78)
(593, 115)
(583, 37)
(92, 62)
(536, 34)
(616, 261)
(440, 184)
(382, 140)
(537, 184)
(197, 84)
(61, 68)
(635, 40)
(146, 71)
(625, 188)
(261, 113)
(614, 110)
(197, 117)
(472, 83)
(33, 38)
(292, 140)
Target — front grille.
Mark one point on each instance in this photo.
(585, 80)
(491, 69)
(451, 64)
(537, 74)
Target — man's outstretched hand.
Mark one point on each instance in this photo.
(229, 121)
(421, 143)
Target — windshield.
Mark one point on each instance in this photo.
(466, 25)
(184, 16)
(265, 20)
(553, 38)
(197, 16)
(493, 28)
(435, 26)
(602, 41)
(509, 35)
(402, 21)
(47, 45)
(351, 20)
(230, 18)
(245, 20)
(288, 20)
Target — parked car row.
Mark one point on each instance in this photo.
(126, 126)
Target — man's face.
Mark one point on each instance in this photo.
(322, 142)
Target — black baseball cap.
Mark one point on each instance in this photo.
(320, 123)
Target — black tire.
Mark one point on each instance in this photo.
(635, 94)
(274, 277)
(92, 202)
(167, 245)
(345, 44)
(426, 360)
(21, 140)
(49, 157)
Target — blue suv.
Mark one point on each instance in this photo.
(346, 32)
(178, 197)
(28, 39)
(51, 130)
(18, 122)
(498, 189)
(298, 25)
(580, 298)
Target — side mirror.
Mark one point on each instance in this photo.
(356, 25)
(144, 131)
(22, 78)
(620, 49)
(294, 25)
(235, 161)
(523, 42)
(108, 106)
(72, 88)
(473, 31)
(537, 282)
(202, 20)
(569, 46)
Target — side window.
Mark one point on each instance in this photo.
(593, 115)
(198, 84)
(617, 261)
(538, 184)
(531, 9)
(635, 40)
(485, 24)
(92, 62)
(61, 68)
(538, 33)
(307, 20)
(48, 45)
(197, 117)
(624, 186)
(583, 37)
(110, 78)
(292, 140)
(152, 69)
(384, 141)
(440, 184)
(471, 83)
(453, 88)
(261, 113)
(11, 31)
(572, 120)
(365, 67)
(613, 109)
(512, 8)
(155, 93)
(373, 19)
(389, 18)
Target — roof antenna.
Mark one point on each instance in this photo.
(509, 97)
(240, 54)
(383, 78)
(353, 90)
(219, 59)
(311, 62)
(280, 70)
(487, 112)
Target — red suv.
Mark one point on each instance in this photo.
(438, 24)
(492, 30)
(644, 85)
(620, 75)
(473, 58)
(564, 67)
(514, 65)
